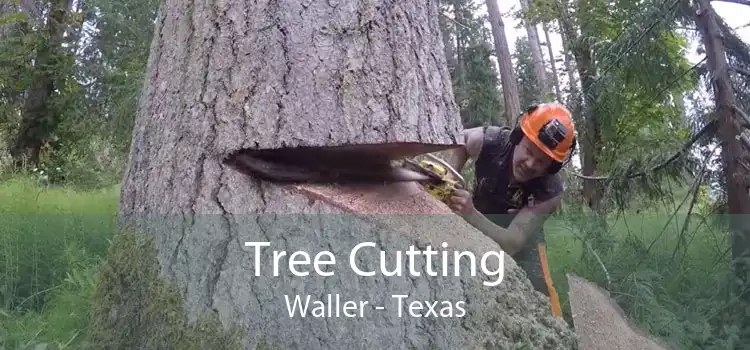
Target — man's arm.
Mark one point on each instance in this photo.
(528, 221)
(473, 139)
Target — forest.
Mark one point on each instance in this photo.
(664, 84)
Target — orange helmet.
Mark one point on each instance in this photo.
(550, 127)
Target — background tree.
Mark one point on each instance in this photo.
(502, 53)
(475, 84)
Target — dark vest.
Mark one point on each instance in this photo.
(493, 194)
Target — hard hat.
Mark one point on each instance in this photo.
(550, 127)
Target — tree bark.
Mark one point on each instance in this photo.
(237, 74)
(511, 98)
(369, 75)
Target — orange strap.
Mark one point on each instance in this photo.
(554, 299)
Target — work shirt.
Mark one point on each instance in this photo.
(494, 195)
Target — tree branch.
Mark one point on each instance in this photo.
(741, 2)
(708, 128)
(453, 20)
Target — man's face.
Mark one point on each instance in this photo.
(529, 161)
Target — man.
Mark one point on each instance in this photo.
(518, 185)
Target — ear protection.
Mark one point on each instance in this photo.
(516, 135)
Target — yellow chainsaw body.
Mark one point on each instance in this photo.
(444, 189)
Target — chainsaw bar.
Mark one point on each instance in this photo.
(322, 168)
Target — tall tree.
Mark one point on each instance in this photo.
(39, 118)
(502, 52)
(552, 62)
(730, 134)
(475, 84)
(529, 90)
(540, 72)
(248, 76)
(627, 82)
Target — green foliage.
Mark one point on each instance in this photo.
(481, 103)
(475, 80)
(667, 271)
(97, 83)
(638, 70)
(15, 68)
(122, 42)
(528, 90)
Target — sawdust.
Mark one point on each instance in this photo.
(600, 323)
(395, 198)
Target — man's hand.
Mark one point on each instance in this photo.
(460, 202)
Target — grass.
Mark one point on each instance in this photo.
(52, 241)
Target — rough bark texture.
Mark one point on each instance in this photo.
(511, 98)
(234, 74)
(600, 323)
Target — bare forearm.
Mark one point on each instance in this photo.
(510, 240)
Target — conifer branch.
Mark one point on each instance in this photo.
(708, 128)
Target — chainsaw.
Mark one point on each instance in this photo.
(442, 185)
(340, 165)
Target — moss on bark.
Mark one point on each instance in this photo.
(134, 308)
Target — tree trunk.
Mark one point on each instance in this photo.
(38, 119)
(512, 100)
(589, 137)
(553, 64)
(731, 154)
(460, 71)
(237, 74)
(540, 72)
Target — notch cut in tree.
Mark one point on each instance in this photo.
(273, 76)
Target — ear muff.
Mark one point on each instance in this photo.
(556, 166)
